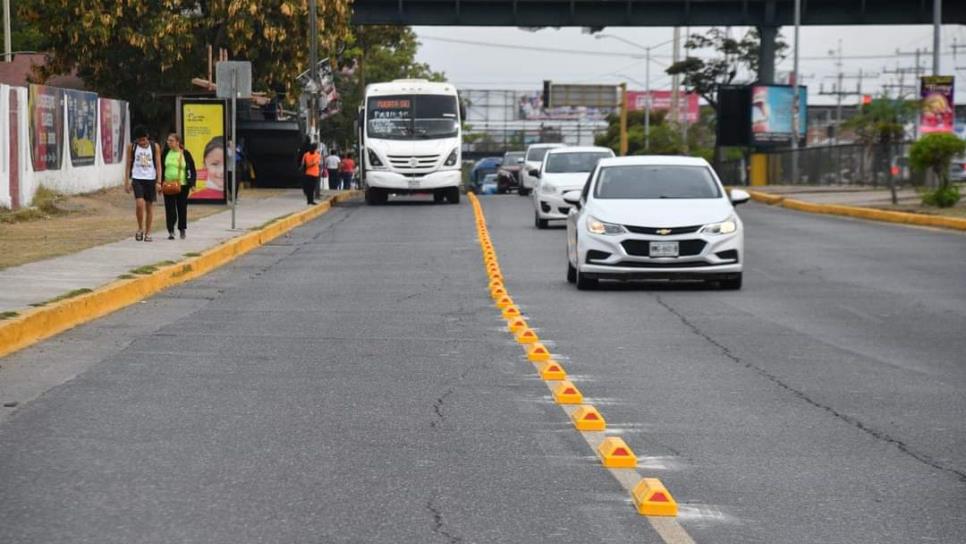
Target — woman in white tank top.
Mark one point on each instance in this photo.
(144, 178)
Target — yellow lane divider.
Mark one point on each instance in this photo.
(649, 495)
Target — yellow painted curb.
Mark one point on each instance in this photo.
(872, 214)
(44, 322)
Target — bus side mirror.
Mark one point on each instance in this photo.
(462, 111)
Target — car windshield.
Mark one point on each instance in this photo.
(584, 161)
(511, 158)
(536, 154)
(656, 181)
(412, 117)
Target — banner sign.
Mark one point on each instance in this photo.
(530, 107)
(771, 113)
(689, 109)
(114, 130)
(937, 114)
(81, 126)
(46, 107)
(204, 126)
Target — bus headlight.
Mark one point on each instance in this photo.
(373, 159)
(451, 160)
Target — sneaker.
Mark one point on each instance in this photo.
(183, 235)
(170, 236)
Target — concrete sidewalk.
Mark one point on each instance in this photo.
(41, 281)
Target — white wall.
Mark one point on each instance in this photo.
(69, 179)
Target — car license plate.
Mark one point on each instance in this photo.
(663, 249)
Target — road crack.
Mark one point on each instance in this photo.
(853, 421)
(439, 524)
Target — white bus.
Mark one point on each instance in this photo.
(410, 137)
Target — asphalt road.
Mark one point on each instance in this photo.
(351, 383)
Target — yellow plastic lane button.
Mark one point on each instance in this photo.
(504, 302)
(567, 393)
(615, 453)
(587, 418)
(527, 336)
(510, 312)
(516, 324)
(551, 371)
(538, 352)
(653, 499)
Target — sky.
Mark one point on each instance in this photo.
(499, 58)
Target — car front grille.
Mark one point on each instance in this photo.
(564, 210)
(413, 163)
(642, 248)
(664, 231)
(638, 264)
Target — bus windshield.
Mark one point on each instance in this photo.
(412, 117)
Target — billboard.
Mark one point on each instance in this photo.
(661, 101)
(204, 125)
(81, 126)
(771, 113)
(114, 130)
(46, 107)
(937, 113)
(582, 95)
(530, 107)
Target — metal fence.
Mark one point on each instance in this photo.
(847, 164)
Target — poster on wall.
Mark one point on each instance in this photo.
(81, 126)
(771, 113)
(938, 112)
(46, 107)
(204, 126)
(114, 130)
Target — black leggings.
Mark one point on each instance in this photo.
(176, 209)
(308, 187)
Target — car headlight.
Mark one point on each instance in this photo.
(596, 226)
(725, 227)
(548, 188)
(451, 160)
(373, 159)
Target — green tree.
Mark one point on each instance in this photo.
(880, 127)
(372, 54)
(25, 35)
(134, 49)
(935, 152)
(665, 138)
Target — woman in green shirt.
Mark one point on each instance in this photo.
(178, 166)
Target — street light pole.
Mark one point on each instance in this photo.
(797, 96)
(6, 32)
(312, 115)
(647, 101)
(937, 16)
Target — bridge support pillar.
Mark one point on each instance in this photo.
(766, 54)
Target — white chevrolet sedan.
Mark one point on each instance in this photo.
(563, 169)
(654, 217)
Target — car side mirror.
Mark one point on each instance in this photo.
(535, 173)
(520, 160)
(572, 198)
(739, 197)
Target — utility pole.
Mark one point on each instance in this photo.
(312, 115)
(675, 80)
(647, 102)
(796, 101)
(623, 98)
(7, 56)
(937, 16)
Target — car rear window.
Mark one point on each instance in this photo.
(656, 181)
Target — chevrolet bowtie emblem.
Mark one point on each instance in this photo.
(663, 232)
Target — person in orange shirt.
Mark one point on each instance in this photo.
(311, 166)
(348, 169)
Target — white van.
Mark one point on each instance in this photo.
(535, 153)
(410, 138)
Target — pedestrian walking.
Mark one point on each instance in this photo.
(144, 179)
(179, 178)
(332, 163)
(348, 169)
(311, 166)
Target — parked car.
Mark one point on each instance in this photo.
(563, 169)
(532, 162)
(482, 167)
(488, 185)
(508, 176)
(957, 169)
(654, 217)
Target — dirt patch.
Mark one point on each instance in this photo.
(67, 224)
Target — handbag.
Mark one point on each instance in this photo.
(173, 187)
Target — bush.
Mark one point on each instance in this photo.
(942, 198)
(935, 152)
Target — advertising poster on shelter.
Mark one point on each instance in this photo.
(204, 137)
(114, 130)
(771, 113)
(81, 126)
(46, 107)
(938, 112)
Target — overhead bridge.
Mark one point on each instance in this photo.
(603, 13)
